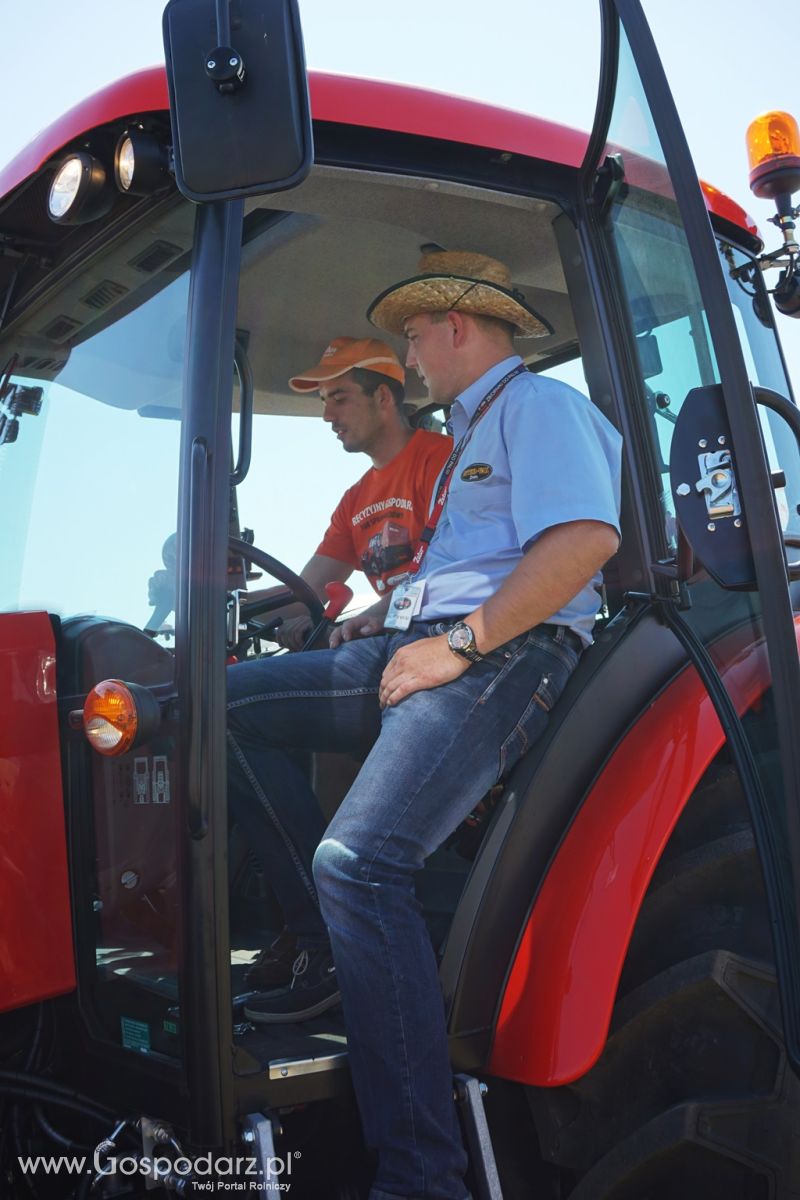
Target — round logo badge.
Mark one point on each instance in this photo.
(475, 472)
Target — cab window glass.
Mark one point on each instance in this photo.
(568, 372)
(755, 325)
(298, 475)
(93, 476)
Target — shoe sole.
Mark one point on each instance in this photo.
(305, 1014)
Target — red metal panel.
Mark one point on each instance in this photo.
(403, 109)
(349, 101)
(556, 1010)
(36, 953)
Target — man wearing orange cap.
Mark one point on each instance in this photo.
(375, 528)
(377, 523)
(477, 647)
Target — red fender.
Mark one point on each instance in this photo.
(36, 955)
(556, 1008)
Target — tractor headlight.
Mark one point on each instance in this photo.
(79, 191)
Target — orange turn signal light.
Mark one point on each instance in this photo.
(773, 151)
(118, 716)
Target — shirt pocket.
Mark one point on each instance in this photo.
(479, 484)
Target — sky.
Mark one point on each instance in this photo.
(520, 54)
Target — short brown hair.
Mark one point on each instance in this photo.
(370, 381)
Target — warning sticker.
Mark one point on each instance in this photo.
(135, 1034)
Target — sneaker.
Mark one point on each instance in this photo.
(272, 968)
(313, 991)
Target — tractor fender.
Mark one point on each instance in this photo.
(555, 1011)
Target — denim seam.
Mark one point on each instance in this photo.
(294, 695)
(376, 898)
(376, 903)
(519, 728)
(269, 810)
(388, 957)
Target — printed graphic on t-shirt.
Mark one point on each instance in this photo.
(389, 548)
(378, 521)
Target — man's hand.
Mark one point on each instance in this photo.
(364, 626)
(415, 668)
(293, 632)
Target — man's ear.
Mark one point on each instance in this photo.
(384, 395)
(459, 327)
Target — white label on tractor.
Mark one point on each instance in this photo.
(160, 779)
(141, 781)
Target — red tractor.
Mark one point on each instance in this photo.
(387, 548)
(617, 929)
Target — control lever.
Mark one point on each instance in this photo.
(339, 596)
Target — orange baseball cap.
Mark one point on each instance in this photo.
(345, 353)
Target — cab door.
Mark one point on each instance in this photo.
(713, 458)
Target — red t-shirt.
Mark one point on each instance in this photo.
(377, 522)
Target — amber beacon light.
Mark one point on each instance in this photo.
(118, 716)
(773, 149)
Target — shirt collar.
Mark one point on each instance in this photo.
(468, 400)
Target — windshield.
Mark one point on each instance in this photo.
(90, 437)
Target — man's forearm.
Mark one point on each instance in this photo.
(551, 573)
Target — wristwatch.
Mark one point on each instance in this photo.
(461, 641)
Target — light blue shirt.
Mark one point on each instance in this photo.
(542, 455)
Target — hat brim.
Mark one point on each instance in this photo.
(310, 383)
(443, 293)
(380, 366)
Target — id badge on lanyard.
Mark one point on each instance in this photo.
(405, 604)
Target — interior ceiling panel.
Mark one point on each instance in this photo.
(309, 275)
(366, 231)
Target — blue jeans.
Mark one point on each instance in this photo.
(432, 758)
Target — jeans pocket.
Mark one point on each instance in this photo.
(500, 661)
(533, 721)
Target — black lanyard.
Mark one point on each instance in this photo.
(446, 476)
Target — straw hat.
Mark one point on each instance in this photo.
(344, 354)
(460, 280)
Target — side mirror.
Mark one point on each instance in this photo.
(238, 94)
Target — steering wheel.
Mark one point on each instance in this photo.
(296, 588)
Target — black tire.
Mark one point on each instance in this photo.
(693, 1097)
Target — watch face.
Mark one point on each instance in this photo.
(460, 637)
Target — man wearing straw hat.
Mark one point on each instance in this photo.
(477, 646)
